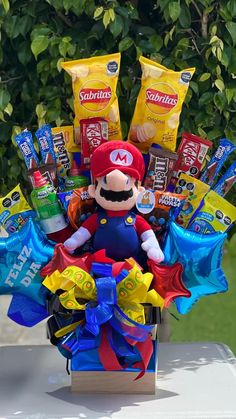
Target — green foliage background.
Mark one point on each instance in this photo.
(37, 35)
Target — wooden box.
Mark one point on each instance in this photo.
(117, 382)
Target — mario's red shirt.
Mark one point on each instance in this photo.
(141, 225)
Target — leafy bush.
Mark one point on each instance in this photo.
(38, 35)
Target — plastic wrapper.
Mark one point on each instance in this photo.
(216, 214)
(194, 190)
(81, 206)
(227, 181)
(14, 212)
(167, 207)
(158, 107)
(44, 136)
(24, 140)
(192, 152)
(63, 138)
(218, 159)
(94, 82)
(160, 169)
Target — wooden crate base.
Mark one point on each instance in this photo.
(118, 382)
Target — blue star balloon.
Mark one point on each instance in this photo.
(22, 256)
(201, 257)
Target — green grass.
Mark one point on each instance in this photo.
(213, 318)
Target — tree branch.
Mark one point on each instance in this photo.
(10, 79)
(204, 21)
(65, 19)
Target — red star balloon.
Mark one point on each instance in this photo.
(168, 281)
(61, 259)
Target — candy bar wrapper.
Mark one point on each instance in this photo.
(227, 181)
(63, 140)
(192, 152)
(218, 159)
(216, 214)
(94, 82)
(24, 140)
(158, 106)
(167, 207)
(14, 211)
(160, 169)
(44, 136)
(194, 190)
(93, 133)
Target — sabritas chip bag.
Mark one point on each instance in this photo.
(94, 82)
(158, 107)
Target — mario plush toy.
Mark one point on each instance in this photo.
(117, 169)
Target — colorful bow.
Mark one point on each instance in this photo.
(114, 315)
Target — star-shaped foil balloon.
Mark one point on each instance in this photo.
(167, 281)
(22, 256)
(62, 259)
(201, 257)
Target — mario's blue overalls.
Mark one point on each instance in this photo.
(117, 235)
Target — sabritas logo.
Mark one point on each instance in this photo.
(95, 95)
(161, 98)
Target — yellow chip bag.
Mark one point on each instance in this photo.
(158, 107)
(94, 82)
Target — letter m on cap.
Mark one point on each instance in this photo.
(121, 157)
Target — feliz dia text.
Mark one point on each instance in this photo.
(19, 265)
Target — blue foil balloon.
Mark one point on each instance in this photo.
(22, 256)
(201, 257)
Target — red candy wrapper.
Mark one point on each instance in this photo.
(93, 133)
(192, 152)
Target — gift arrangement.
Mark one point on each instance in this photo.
(116, 230)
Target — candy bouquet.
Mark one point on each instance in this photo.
(118, 230)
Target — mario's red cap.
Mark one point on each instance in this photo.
(117, 155)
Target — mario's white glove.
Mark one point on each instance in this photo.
(77, 239)
(151, 246)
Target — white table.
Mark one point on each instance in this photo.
(195, 381)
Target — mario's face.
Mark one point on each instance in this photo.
(116, 191)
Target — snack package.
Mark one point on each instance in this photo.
(81, 206)
(24, 140)
(94, 82)
(160, 169)
(194, 190)
(64, 198)
(227, 181)
(158, 107)
(213, 168)
(192, 152)
(63, 138)
(44, 136)
(216, 214)
(14, 211)
(93, 133)
(48, 171)
(166, 206)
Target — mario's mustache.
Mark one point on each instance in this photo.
(116, 196)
